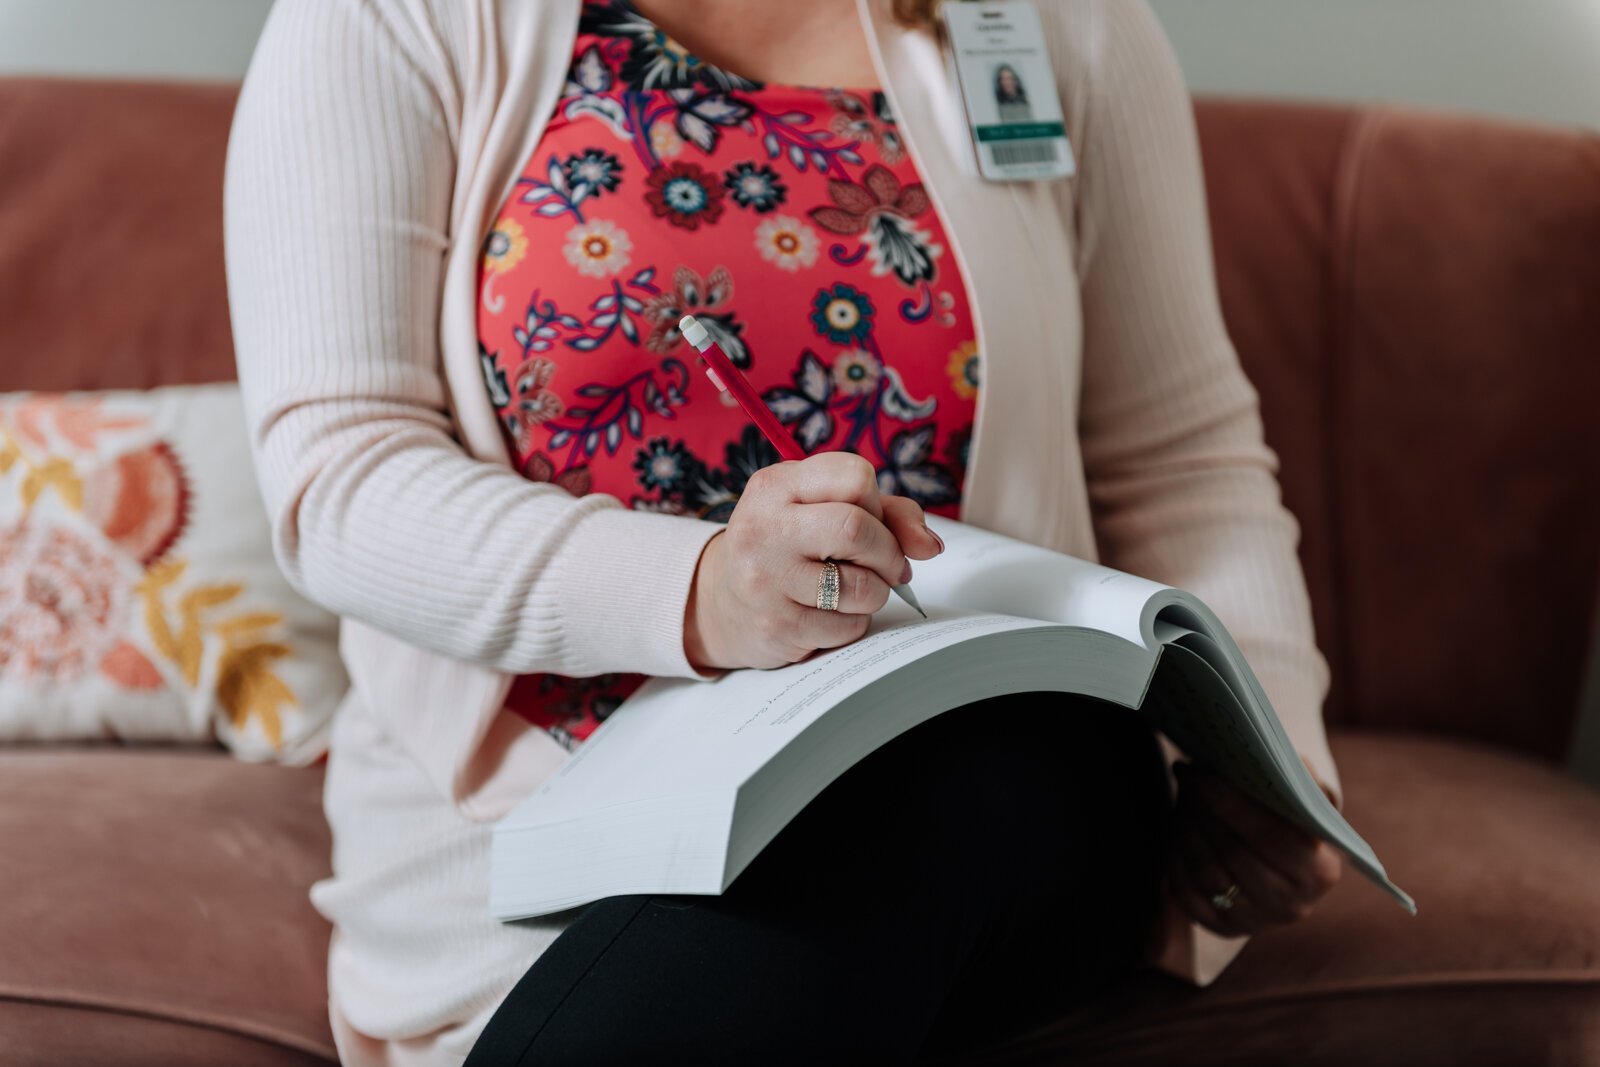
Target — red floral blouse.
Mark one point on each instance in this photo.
(791, 222)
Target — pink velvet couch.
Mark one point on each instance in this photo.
(1417, 298)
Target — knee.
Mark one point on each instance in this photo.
(1029, 792)
(1001, 804)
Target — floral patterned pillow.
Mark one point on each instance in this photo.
(139, 597)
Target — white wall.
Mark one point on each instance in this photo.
(1537, 59)
(207, 39)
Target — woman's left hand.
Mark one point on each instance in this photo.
(1220, 836)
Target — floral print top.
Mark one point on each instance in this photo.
(791, 222)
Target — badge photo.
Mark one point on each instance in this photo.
(1008, 90)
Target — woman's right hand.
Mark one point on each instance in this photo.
(754, 598)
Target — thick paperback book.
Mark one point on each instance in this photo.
(686, 782)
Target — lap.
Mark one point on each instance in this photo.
(968, 875)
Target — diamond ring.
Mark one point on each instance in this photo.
(828, 587)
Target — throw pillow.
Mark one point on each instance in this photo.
(139, 597)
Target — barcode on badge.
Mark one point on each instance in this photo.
(1006, 154)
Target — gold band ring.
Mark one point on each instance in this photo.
(828, 587)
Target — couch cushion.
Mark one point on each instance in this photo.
(148, 891)
(1500, 965)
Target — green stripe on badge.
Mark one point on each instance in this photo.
(1021, 131)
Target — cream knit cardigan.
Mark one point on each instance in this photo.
(374, 144)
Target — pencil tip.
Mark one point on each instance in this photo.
(905, 593)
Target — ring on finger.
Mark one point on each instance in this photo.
(1197, 850)
(1196, 901)
(828, 587)
(1224, 901)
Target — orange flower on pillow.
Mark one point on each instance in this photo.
(140, 500)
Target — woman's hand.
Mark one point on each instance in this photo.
(754, 599)
(1221, 836)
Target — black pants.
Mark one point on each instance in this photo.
(965, 882)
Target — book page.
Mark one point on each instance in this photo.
(1189, 705)
(717, 734)
(985, 571)
(1195, 709)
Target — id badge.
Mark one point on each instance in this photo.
(1008, 90)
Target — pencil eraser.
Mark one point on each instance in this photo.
(693, 332)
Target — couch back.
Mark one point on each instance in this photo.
(1416, 297)
(111, 234)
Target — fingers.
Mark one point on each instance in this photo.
(834, 477)
(1309, 866)
(1211, 852)
(830, 479)
(846, 532)
(815, 629)
(1194, 901)
(1195, 873)
(1269, 892)
(905, 520)
(756, 585)
(791, 632)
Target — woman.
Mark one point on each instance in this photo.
(459, 240)
(1009, 96)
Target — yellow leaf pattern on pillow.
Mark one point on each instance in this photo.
(240, 625)
(149, 588)
(247, 687)
(190, 645)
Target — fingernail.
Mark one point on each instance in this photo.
(935, 536)
(905, 575)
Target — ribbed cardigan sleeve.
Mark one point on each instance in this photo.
(337, 217)
(1182, 485)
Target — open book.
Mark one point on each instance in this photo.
(686, 782)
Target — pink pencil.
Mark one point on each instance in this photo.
(726, 377)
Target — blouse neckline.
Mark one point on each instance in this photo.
(643, 32)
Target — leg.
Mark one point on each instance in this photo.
(850, 931)
(1118, 825)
